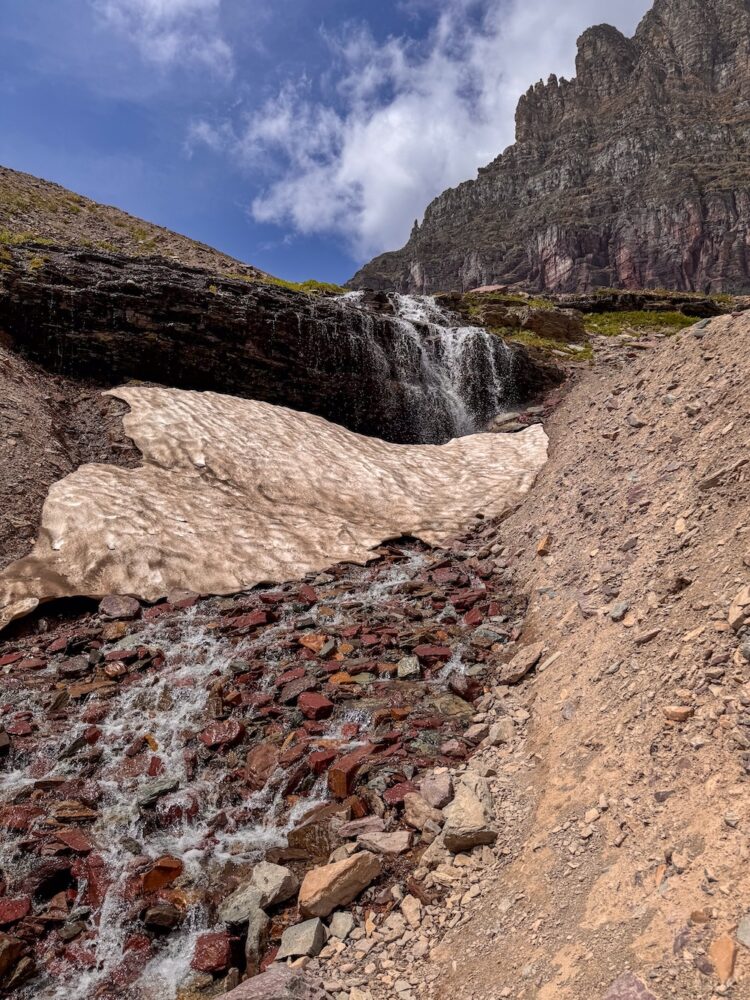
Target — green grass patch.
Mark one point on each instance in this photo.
(310, 287)
(36, 263)
(545, 344)
(613, 324)
(10, 239)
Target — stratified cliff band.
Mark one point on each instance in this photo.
(635, 174)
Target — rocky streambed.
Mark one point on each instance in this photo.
(196, 788)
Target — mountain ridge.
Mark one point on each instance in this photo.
(632, 174)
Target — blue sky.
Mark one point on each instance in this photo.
(303, 136)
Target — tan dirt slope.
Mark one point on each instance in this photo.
(625, 835)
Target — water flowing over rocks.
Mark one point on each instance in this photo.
(415, 377)
(632, 175)
(235, 492)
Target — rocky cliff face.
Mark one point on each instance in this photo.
(634, 174)
(107, 318)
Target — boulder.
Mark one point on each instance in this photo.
(275, 883)
(468, 818)
(341, 925)
(242, 904)
(325, 889)
(556, 324)
(279, 983)
(502, 731)
(307, 938)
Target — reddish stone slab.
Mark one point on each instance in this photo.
(9, 658)
(76, 840)
(342, 773)
(213, 952)
(427, 652)
(396, 794)
(321, 760)
(13, 910)
(314, 705)
(33, 663)
(252, 620)
(223, 734)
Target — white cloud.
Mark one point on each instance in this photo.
(172, 32)
(408, 119)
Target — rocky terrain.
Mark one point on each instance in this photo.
(631, 175)
(513, 768)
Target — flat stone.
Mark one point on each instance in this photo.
(327, 888)
(739, 612)
(723, 955)
(524, 661)
(502, 731)
(743, 931)
(357, 827)
(307, 938)
(240, 906)
(394, 843)
(150, 793)
(678, 713)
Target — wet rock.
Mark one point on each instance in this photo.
(119, 608)
(261, 762)
(307, 938)
(162, 917)
(11, 949)
(223, 734)
(13, 910)
(212, 953)
(279, 983)
(409, 669)
(628, 987)
(275, 883)
(314, 705)
(468, 817)
(23, 971)
(325, 889)
(437, 790)
(342, 773)
(150, 794)
(394, 843)
(162, 873)
(524, 661)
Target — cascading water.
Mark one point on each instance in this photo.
(436, 380)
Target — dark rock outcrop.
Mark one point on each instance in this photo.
(634, 174)
(109, 318)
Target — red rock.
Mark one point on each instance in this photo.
(314, 705)
(349, 730)
(176, 808)
(19, 728)
(33, 663)
(292, 691)
(223, 734)
(9, 658)
(307, 594)
(288, 676)
(121, 656)
(427, 652)
(18, 819)
(275, 597)
(321, 760)
(156, 611)
(162, 873)
(293, 754)
(76, 840)
(396, 793)
(213, 952)
(261, 762)
(342, 773)
(13, 910)
(474, 617)
(155, 767)
(370, 639)
(59, 645)
(253, 620)
(98, 880)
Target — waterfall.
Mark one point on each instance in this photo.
(443, 380)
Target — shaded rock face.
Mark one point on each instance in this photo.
(631, 175)
(110, 318)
